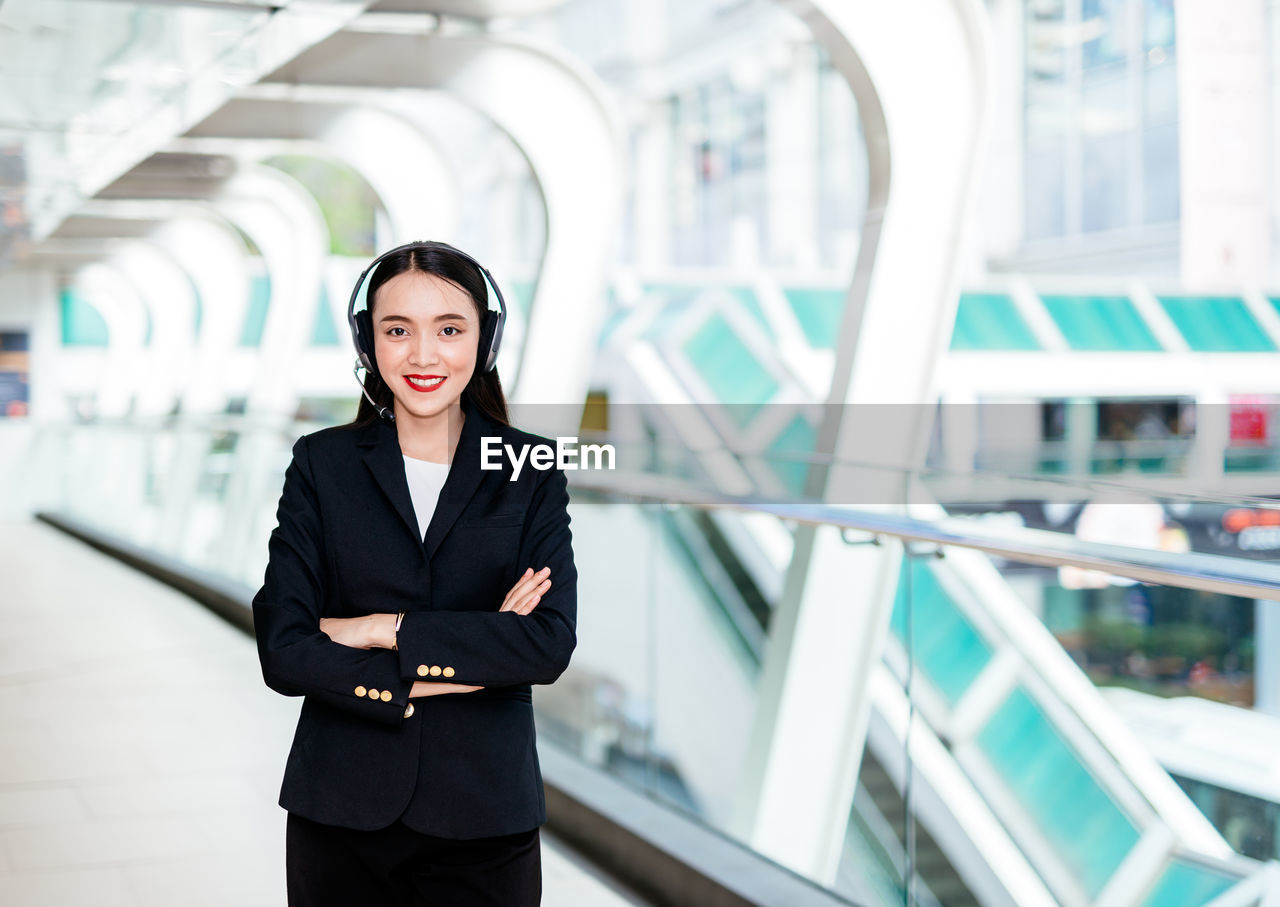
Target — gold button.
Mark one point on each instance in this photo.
(408, 711)
(373, 694)
(435, 670)
(360, 691)
(422, 670)
(385, 696)
(448, 672)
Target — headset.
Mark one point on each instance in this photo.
(362, 323)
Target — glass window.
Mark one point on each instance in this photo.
(1046, 202)
(1104, 29)
(1162, 189)
(1089, 832)
(1101, 117)
(1105, 188)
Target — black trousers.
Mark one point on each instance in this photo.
(328, 866)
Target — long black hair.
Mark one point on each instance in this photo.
(484, 389)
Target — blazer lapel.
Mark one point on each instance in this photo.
(386, 461)
(464, 476)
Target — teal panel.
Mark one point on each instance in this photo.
(82, 323)
(671, 298)
(791, 447)
(990, 321)
(734, 375)
(946, 646)
(1216, 324)
(678, 295)
(746, 298)
(818, 312)
(255, 316)
(1104, 323)
(1071, 810)
(1187, 885)
(323, 333)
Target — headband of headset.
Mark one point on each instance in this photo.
(490, 328)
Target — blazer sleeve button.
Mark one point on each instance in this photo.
(435, 670)
(360, 691)
(385, 695)
(422, 670)
(373, 694)
(408, 711)
(448, 672)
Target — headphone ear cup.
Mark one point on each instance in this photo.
(364, 340)
(485, 346)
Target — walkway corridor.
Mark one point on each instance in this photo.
(140, 753)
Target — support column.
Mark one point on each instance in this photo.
(830, 626)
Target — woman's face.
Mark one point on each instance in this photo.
(425, 332)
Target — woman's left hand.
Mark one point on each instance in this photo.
(365, 632)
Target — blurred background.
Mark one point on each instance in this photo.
(939, 340)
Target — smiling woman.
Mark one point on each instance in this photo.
(424, 342)
(408, 597)
(429, 298)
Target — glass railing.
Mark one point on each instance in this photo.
(994, 768)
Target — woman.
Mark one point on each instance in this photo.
(412, 597)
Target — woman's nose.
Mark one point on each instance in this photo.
(424, 351)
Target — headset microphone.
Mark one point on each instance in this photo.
(362, 323)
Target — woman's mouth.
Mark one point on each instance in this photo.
(424, 384)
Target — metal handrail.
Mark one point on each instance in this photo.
(1206, 572)
(1084, 484)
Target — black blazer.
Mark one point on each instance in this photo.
(462, 765)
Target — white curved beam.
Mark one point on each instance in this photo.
(924, 137)
(170, 299)
(538, 97)
(286, 225)
(125, 313)
(402, 166)
(214, 256)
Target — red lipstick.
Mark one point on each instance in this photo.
(424, 390)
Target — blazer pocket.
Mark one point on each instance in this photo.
(493, 521)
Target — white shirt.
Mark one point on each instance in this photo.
(425, 481)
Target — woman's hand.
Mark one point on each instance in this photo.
(366, 632)
(379, 630)
(423, 688)
(527, 592)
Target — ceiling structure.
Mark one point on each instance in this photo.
(89, 88)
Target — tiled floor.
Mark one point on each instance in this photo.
(140, 752)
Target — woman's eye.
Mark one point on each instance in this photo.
(449, 327)
(397, 328)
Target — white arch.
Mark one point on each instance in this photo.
(170, 299)
(410, 177)
(924, 131)
(286, 225)
(210, 251)
(125, 312)
(537, 96)
(211, 254)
